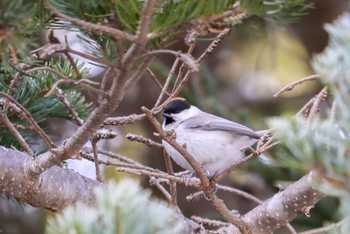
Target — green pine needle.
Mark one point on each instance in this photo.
(31, 93)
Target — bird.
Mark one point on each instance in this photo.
(214, 142)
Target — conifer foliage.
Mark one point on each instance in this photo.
(40, 80)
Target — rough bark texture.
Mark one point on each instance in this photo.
(283, 207)
(56, 188)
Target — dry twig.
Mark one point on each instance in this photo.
(291, 86)
(5, 120)
(143, 140)
(327, 228)
(320, 97)
(29, 117)
(97, 166)
(72, 112)
(155, 182)
(169, 167)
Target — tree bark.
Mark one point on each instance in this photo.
(56, 188)
(59, 187)
(274, 213)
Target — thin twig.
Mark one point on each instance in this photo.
(180, 81)
(47, 69)
(185, 58)
(163, 175)
(90, 157)
(17, 78)
(104, 134)
(90, 57)
(11, 108)
(14, 84)
(5, 120)
(195, 196)
(96, 28)
(24, 128)
(137, 75)
(71, 61)
(133, 118)
(209, 49)
(31, 120)
(321, 96)
(154, 78)
(143, 140)
(124, 120)
(169, 167)
(240, 193)
(182, 67)
(167, 81)
(327, 228)
(210, 222)
(103, 83)
(74, 66)
(97, 166)
(155, 182)
(291, 86)
(119, 157)
(83, 83)
(49, 49)
(214, 43)
(306, 108)
(69, 107)
(265, 140)
(238, 16)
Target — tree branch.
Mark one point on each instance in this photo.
(116, 93)
(56, 188)
(284, 206)
(5, 120)
(31, 120)
(291, 86)
(96, 28)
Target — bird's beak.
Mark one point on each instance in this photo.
(166, 115)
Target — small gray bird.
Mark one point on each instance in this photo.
(214, 142)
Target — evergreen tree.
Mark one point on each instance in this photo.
(39, 82)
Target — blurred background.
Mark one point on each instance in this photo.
(236, 81)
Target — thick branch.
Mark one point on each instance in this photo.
(56, 188)
(284, 206)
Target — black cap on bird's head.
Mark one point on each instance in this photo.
(172, 108)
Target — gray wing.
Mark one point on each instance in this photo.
(208, 122)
